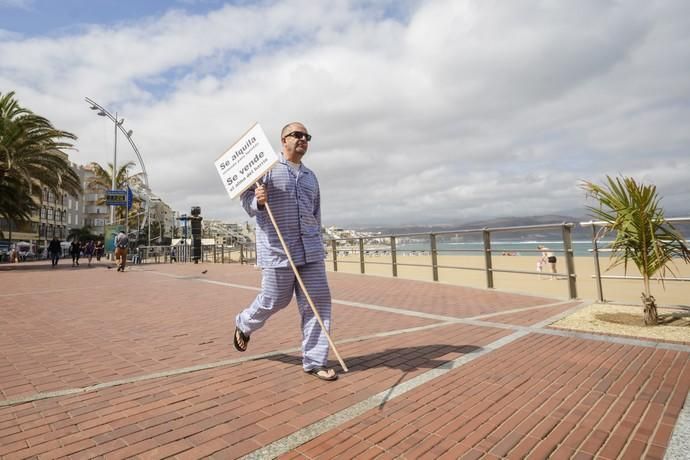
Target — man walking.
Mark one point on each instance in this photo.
(75, 251)
(54, 250)
(292, 191)
(121, 245)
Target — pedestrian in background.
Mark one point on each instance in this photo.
(89, 250)
(121, 245)
(99, 250)
(14, 255)
(54, 251)
(550, 258)
(75, 252)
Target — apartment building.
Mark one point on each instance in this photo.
(55, 214)
(95, 215)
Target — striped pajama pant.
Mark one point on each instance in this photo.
(277, 288)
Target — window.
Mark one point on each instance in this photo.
(51, 214)
(69, 219)
(43, 213)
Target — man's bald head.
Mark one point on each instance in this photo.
(295, 141)
(292, 126)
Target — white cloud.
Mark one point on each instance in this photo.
(459, 110)
(20, 4)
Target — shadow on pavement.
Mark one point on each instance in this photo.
(406, 359)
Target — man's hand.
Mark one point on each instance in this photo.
(261, 195)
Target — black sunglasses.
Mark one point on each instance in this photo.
(299, 135)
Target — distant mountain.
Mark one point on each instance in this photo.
(500, 222)
(683, 228)
(579, 232)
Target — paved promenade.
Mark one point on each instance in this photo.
(140, 364)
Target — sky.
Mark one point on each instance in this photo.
(422, 112)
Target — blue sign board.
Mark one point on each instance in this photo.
(129, 198)
(116, 197)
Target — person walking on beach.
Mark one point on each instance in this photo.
(121, 245)
(75, 252)
(292, 191)
(548, 257)
(54, 251)
(541, 260)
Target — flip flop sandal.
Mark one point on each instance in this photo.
(316, 370)
(242, 337)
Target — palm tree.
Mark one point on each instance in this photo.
(643, 236)
(15, 205)
(30, 157)
(103, 180)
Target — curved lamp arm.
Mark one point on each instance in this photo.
(96, 106)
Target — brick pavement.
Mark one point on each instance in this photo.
(140, 365)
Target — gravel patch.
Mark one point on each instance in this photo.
(627, 320)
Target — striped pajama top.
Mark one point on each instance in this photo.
(295, 201)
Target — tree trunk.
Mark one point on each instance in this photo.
(651, 317)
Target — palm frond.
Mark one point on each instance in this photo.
(31, 155)
(633, 214)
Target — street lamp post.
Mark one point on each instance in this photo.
(118, 122)
(148, 216)
(161, 224)
(128, 135)
(184, 218)
(112, 208)
(174, 226)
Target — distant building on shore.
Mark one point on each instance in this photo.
(228, 234)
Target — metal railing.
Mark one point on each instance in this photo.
(346, 246)
(210, 253)
(596, 250)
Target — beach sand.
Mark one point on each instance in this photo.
(620, 315)
(418, 267)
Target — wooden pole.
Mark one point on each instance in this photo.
(304, 289)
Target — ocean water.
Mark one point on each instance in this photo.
(518, 248)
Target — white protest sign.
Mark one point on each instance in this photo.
(246, 161)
